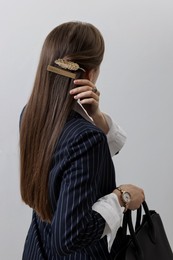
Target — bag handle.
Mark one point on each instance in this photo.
(127, 221)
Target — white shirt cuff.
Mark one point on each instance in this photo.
(109, 208)
(116, 136)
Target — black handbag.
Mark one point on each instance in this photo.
(147, 241)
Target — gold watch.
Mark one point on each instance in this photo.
(125, 196)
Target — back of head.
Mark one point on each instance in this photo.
(50, 104)
(74, 41)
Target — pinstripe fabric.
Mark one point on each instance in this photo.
(82, 171)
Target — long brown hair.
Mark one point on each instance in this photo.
(49, 106)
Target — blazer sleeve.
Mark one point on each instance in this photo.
(75, 225)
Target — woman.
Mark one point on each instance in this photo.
(67, 174)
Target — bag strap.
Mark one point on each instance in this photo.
(138, 218)
(152, 232)
(127, 222)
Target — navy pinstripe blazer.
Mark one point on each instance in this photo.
(82, 171)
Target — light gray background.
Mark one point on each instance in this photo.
(135, 82)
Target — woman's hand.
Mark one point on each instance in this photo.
(136, 193)
(88, 98)
(88, 95)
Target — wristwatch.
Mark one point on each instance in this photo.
(125, 196)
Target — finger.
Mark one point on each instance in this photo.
(83, 82)
(80, 89)
(89, 101)
(87, 94)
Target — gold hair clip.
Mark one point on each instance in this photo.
(61, 72)
(65, 64)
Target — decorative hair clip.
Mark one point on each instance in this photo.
(69, 65)
(65, 66)
(62, 72)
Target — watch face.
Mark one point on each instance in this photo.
(126, 197)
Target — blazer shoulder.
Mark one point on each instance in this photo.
(79, 133)
(78, 126)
